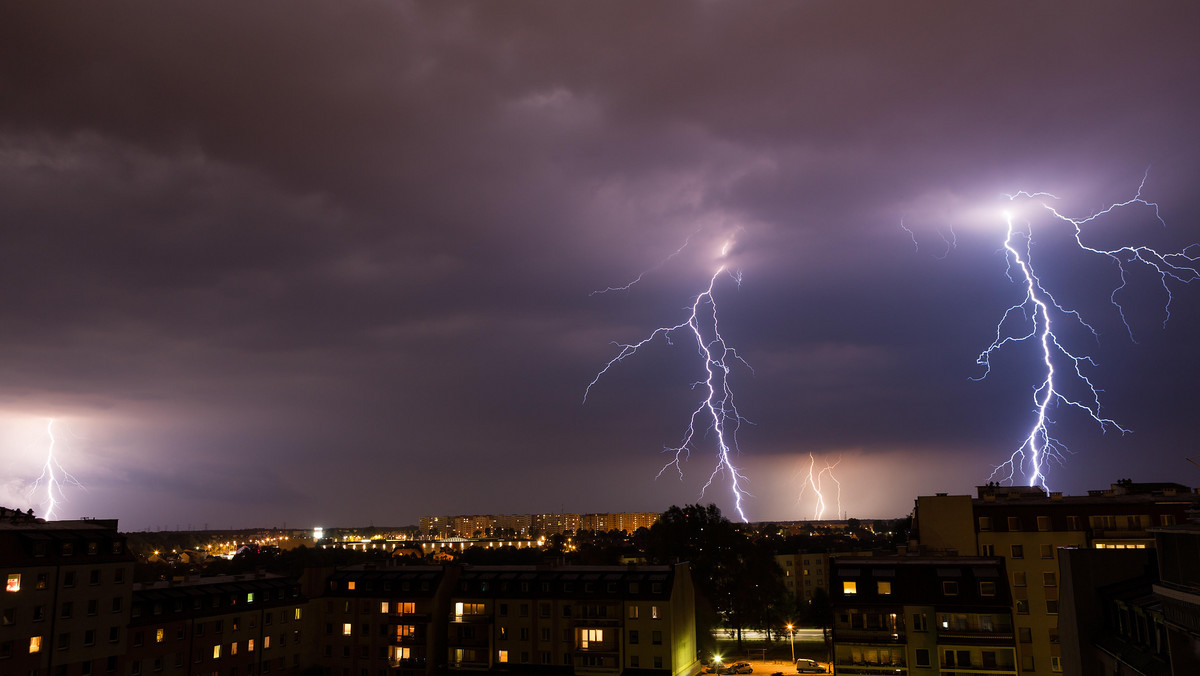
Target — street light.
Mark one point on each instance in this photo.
(792, 640)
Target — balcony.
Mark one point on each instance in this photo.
(970, 669)
(408, 618)
(869, 669)
(407, 663)
(881, 636)
(471, 619)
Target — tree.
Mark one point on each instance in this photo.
(820, 612)
(736, 576)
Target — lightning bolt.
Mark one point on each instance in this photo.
(813, 483)
(1039, 309)
(53, 477)
(715, 412)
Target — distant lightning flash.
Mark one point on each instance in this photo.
(1039, 308)
(716, 410)
(814, 483)
(53, 477)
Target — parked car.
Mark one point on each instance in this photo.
(807, 666)
(738, 668)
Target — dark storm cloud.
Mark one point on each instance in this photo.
(341, 254)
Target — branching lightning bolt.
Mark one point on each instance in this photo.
(716, 411)
(53, 477)
(1039, 308)
(814, 483)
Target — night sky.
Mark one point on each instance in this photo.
(330, 263)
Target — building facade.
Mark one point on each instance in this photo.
(573, 620)
(912, 615)
(242, 625)
(1028, 527)
(65, 607)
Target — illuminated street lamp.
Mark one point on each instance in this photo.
(792, 641)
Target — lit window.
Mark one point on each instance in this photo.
(502, 656)
(35, 644)
(346, 629)
(633, 612)
(217, 651)
(266, 642)
(1055, 663)
(250, 646)
(590, 636)
(849, 587)
(383, 606)
(14, 583)
(249, 597)
(884, 586)
(158, 635)
(405, 608)
(297, 614)
(654, 612)
(233, 648)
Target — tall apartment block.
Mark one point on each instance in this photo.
(1027, 526)
(65, 605)
(508, 619)
(913, 615)
(487, 525)
(1178, 591)
(242, 625)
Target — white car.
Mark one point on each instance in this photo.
(806, 666)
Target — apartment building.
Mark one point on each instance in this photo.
(243, 625)
(521, 525)
(379, 621)
(1178, 592)
(913, 615)
(806, 572)
(573, 620)
(1027, 527)
(66, 600)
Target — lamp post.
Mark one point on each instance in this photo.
(792, 641)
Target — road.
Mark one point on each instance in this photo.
(754, 635)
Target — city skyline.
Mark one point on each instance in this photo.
(326, 264)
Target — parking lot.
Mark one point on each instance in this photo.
(769, 666)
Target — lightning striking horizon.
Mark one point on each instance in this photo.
(814, 482)
(54, 477)
(1039, 309)
(716, 409)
